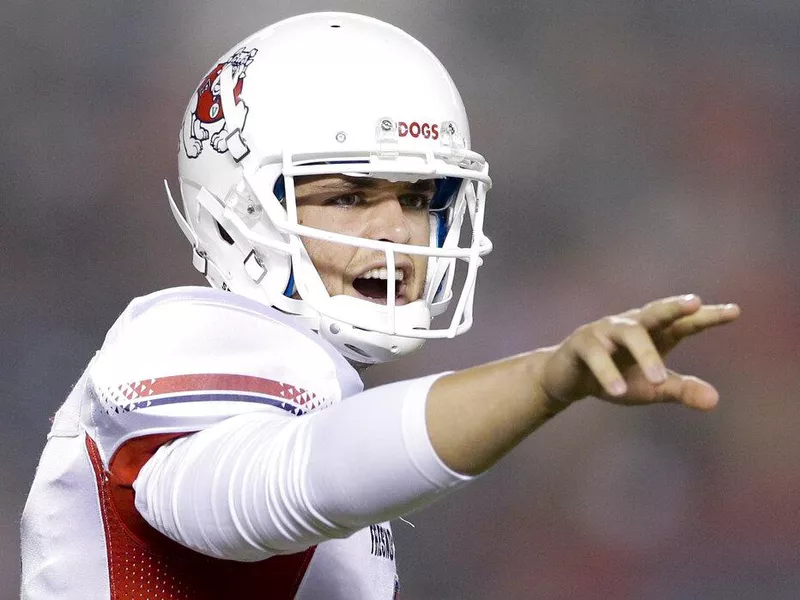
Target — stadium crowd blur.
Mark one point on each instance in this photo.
(638, 149)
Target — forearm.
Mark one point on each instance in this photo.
(477, 415)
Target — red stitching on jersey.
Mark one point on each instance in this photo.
(97, 468)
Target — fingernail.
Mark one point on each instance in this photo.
(656, 373)
(618, 387)
(687, 298)
(729, 307)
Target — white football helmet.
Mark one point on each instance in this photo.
(327, 93)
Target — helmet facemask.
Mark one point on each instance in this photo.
(364, 330)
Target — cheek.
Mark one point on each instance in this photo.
(420, 236)
(323, 254)
(347, 222)
(420, 226)
(329, 258)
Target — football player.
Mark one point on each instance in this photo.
(220, 443)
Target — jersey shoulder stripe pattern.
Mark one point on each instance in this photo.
(207, 387)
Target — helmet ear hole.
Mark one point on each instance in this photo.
(224, 234)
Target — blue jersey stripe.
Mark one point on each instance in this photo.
(214, 397)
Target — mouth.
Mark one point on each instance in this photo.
(373, 285)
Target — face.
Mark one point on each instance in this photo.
(374, 209)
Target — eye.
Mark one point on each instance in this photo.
(345, 200)
(415, 201)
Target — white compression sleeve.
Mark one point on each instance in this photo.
(263, 483)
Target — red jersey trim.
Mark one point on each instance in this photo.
(143, 563)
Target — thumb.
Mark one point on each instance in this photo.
(688, 390)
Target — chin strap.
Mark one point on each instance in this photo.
(182, 223)
(200, 260)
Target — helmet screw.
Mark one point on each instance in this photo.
(387, 124)
(451, 128)
(335, 329)
(250, 209)
(341, 137)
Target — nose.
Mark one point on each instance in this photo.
(387, 221)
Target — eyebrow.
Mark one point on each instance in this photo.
(349, 184)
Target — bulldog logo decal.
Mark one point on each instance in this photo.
(206, 117)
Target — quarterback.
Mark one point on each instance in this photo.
(220, 444)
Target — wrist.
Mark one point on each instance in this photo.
(550, 403)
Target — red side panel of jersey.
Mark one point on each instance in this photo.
(143, 563)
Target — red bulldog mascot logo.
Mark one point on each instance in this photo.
(205, 118)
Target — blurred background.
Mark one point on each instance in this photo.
(638, 149)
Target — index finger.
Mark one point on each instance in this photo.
(664, 312)
(709, 315)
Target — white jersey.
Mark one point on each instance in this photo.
(177, 368)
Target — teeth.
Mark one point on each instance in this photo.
(382, 273)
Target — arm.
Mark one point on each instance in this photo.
(476, 416)
(257, 485)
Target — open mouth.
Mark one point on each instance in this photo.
(374, 285)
